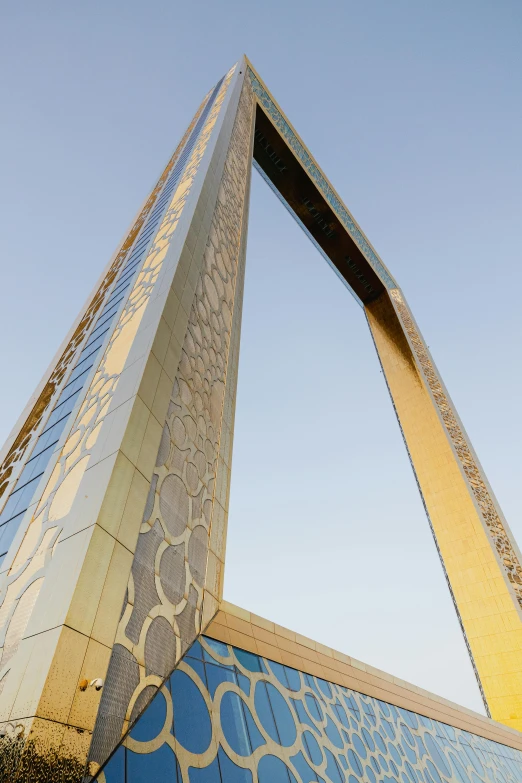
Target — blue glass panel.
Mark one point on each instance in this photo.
(192, 726)
(352, 707)
(283, 717)
(244, 683)
(375, 765)
(218, 674)
(312, 748)
(8, 532)
(115, 769)
(379, 741)
(248, 660)
(272, 770)
(369, 713)
(394, 753)
(412, 778)
(432, 772)
(218, 647)
(368, 741)
(279, 671)
(230, 772)
(369, 775)
(324, 687)
(333, 771)
(294, 678)
(264, 711)
(304, 770)
(256, 738)
(160, 765)
(313, 685)
(355, 762)
(198, 667)
(388, 728)
(314, 707)
(407, 735)
(460, 772)
(303, 715)
(195, 651)
(152, 721)
(234, 724)
(341, 714)
(383, 763)
(420, 747)
(410, 753)
(332, 733)
(473, 757)
(359, 745)
(385, 708)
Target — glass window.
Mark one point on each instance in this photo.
(36, 466)
(49, 436)
(312, 748)
(216, 675)
(192, 726)
(94, 344)
(160, 765)
(314, 708)
(152, 720)
(112, 301)
(62, 410)
(248, 660)
(75, 384)
(115, 769)
(218, 647)
(303, 715)
(195, 651)
(272, 770)
(19, 500)
(234, 724)
(8, 532)
(332, 733)
(264, 711)
(230, 772)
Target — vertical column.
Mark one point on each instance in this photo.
(175, 583)
(480, 558)
(69, 572)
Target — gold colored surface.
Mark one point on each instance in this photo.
(246, 630)
(482, 592)
(177, 571)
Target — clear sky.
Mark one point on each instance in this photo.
(413, 109)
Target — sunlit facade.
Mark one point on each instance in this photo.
(120, 660)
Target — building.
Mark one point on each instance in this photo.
(115, 486)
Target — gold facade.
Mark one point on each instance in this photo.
(480, 560)
(118, 563)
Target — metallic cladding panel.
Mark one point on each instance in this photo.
(480, 559)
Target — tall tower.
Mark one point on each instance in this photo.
(115, 480)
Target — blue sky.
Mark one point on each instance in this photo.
(413, 110)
